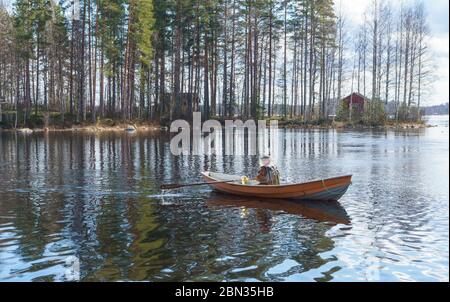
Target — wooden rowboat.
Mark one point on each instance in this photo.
(323, 189)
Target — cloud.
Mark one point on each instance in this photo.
(439, 47)
(352, 10)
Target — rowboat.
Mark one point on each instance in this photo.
(323, 189)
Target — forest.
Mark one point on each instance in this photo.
(72, 62)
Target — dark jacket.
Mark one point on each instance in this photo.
(268, 176)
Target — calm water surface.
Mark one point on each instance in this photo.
(95, 198)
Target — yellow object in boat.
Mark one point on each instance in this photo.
(244, 180)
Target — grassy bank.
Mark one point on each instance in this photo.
(54, 122)
(330, 124)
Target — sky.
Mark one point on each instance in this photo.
(438, 21)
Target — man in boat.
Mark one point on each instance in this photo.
(268, 174)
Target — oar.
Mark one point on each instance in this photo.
(176, 186)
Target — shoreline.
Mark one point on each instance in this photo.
(91, 128)
(133, 127)
(358, 126)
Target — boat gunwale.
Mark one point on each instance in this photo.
(206, 174)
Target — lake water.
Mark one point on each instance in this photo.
(85, 206)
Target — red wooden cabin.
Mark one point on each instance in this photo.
(357, 100)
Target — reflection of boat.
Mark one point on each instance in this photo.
(324, 211)
(324, 189)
